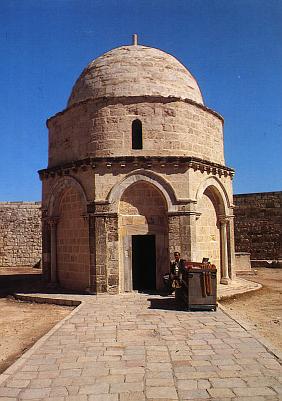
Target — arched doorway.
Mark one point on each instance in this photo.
(143, 234)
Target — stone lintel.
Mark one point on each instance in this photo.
(134, 162)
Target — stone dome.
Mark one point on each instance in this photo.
(135, 71)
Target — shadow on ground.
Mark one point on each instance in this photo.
(30, 283)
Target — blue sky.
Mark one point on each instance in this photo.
(233, 48)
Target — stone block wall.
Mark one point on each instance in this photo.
(102, 128)
(20, 233)
(258, 225)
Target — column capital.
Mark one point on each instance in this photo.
(222, 218)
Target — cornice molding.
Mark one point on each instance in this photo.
(145, 162)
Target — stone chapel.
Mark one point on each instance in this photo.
(136, 171)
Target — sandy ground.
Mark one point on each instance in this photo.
(263, 307)
(21, 324)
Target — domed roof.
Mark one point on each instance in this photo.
(135, 71)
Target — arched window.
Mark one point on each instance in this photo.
(137, 142)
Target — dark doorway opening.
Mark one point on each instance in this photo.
(143, 262)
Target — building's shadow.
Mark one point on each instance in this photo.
(30, 284)
(165, 303)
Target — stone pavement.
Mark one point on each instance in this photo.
(137, 347)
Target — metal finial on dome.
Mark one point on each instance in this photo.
(135, 39)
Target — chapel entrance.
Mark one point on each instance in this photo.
(143, 262)
(143, 238)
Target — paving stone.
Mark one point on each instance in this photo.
(203, 384)
(257, 398)
(277, 389)
(187, 384)
(103, 397)
(30, 394)
(76, 398)
(18, 383)
(220, 392)
(70, 372)
(9, 392)
(195, 358)
(25, 375)
(8, 399)
(47, 375)
(95, 372)
(253, 391)
(161, 392)
(230, 382)
(135, 396)
(99, 388)
(159, 375)
(59, 391)
(193, 394)
(137, 377)
(160, 382)
(110, 379)
(126, 387)
(40, 383)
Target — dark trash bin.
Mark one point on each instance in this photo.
(198, 287)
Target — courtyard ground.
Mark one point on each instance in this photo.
(23, 323)
(262, 308)
(138, 347)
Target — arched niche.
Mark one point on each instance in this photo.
(70, 254)
(212, 226)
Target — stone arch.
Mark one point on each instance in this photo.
(156, 180)
(142, 210)
(57, 191)
(212, 226)
(217, 190)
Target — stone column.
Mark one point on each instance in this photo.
(112, 253)
(231, 247)
(53, 221)
(223, 251)
(182, 233)
(100, 253)
(103, 243)
(92, 251)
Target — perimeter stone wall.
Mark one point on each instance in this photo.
(20, 233)
(258, 225)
